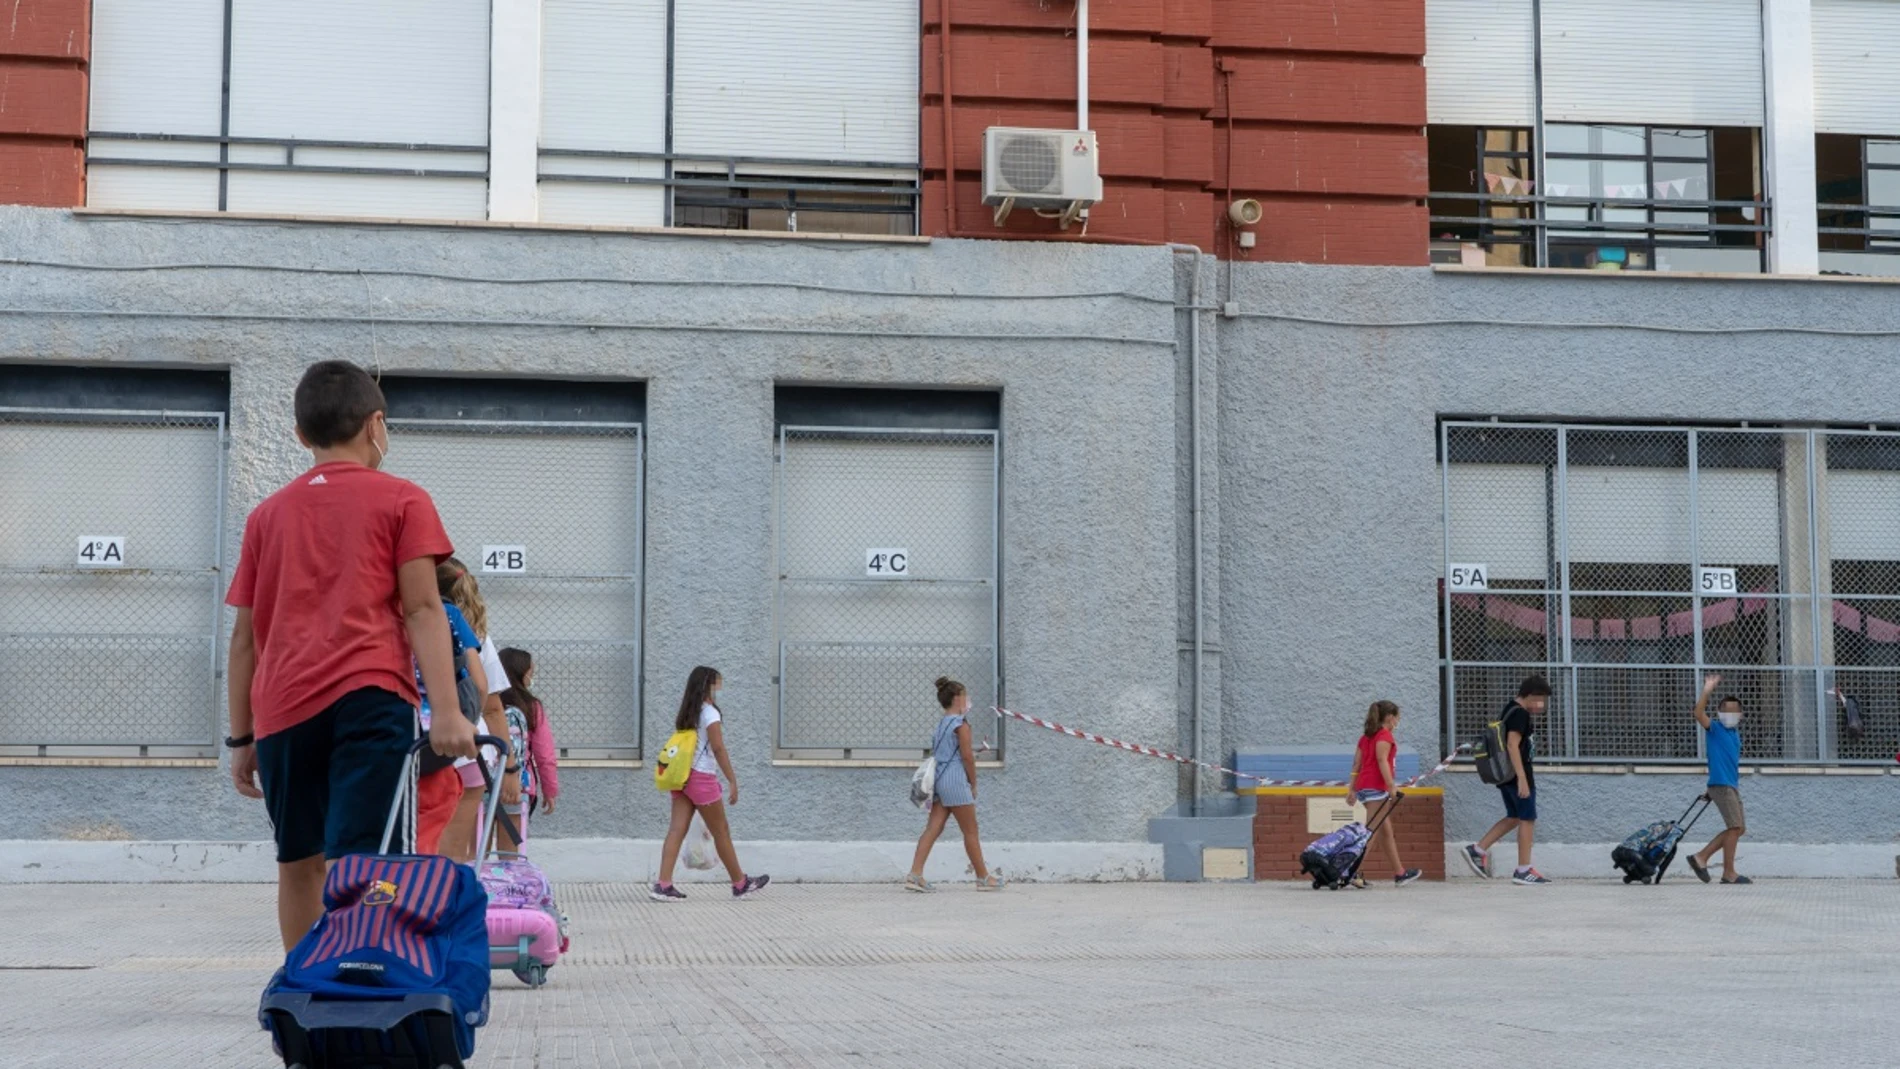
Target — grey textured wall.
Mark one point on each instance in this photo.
(1330, 546)
(1321, 500)
(1089, 554)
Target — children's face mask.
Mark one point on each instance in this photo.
(1730, 721)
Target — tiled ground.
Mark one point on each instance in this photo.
(1580, 974)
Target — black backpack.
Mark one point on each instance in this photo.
(1491, 752)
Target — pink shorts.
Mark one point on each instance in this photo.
(702, 788)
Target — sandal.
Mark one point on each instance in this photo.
(992, 882)
(918, 884)
(1739, 880)
(1701, 871)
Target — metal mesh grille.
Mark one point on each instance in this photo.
(123, 655)
(570, 496)
(1627, 562)
(860, 647)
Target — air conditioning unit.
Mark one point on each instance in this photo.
(1047, 170)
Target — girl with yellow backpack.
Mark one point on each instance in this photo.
(688, 766)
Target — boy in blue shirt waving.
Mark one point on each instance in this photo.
(1724, 747)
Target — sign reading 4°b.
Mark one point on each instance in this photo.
(887, 563)
(101, 551)
(504, 560)
(1468, 578)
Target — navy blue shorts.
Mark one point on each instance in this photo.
(1518, 808)
(329, 781)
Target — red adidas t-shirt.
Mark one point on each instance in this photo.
(318, 572)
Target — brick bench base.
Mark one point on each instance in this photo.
(1280, 832)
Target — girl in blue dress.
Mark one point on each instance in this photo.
(955, 755)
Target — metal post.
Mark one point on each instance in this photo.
(1821, 708)
(1537, 132)
(1572, 737)
(778, 597)
(1081, 64)
(996, 584)
(640, 592)
(217, 584)
(1448, 711)
(1695, 568)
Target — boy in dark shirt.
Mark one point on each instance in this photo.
(1520, 791)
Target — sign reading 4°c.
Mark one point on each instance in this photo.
(101, 551)
(1716, 582)
(1468, 578)
(504, 560)
(887, 563)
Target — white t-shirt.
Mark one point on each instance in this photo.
(491, 666)
(703, 759)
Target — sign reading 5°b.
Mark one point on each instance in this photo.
(504, 560)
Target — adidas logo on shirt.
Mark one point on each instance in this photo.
(319, 481)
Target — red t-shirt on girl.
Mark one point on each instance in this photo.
(1370, 777)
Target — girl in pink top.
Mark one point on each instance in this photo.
(539, 769)
(1374, 781)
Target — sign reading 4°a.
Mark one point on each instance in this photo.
(101, 551)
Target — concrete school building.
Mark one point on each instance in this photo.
(1213, 501)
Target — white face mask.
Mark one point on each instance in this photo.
(1730, 721)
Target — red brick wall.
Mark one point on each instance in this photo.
(1279, 835)
(44, 47)
(1326, 121)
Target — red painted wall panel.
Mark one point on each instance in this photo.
(40, 172)
(47, 29)
(1379, 27)
(1355, 91)
(1327, 119)
(43, 99)
(44, 50)
(1331, 159)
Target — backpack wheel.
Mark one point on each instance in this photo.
(534, 975)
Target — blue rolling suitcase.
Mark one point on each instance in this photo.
(395, 975)
(1646, 854)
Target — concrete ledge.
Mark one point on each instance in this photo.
(1592, 860)
(597, 861)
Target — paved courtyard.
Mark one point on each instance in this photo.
(1786, 973)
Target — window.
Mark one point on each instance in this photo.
(112, 564)
(355, 107)
(1614, 197)
(1657, 198)
(1481, 179)
(1626, 562)
(1858, 180)
(887, 566)
(545, 478)
(786, 205)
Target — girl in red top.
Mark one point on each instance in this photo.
(1374, 781)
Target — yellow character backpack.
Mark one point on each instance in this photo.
(675, 762)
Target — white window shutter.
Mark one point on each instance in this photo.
(1684, 62)
(1857, 67)
(1479, 63)
(823, 80)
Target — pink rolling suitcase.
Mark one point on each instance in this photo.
(526, 932)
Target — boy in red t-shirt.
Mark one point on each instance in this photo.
(335, 585)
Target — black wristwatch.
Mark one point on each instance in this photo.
(512, 769)
(239, 742)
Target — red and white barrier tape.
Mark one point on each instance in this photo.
(1150, 751)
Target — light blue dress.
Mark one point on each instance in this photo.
(953, 784)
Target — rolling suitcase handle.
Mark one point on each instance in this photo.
(1371, 830)
(1698, 806)
(403, 806)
